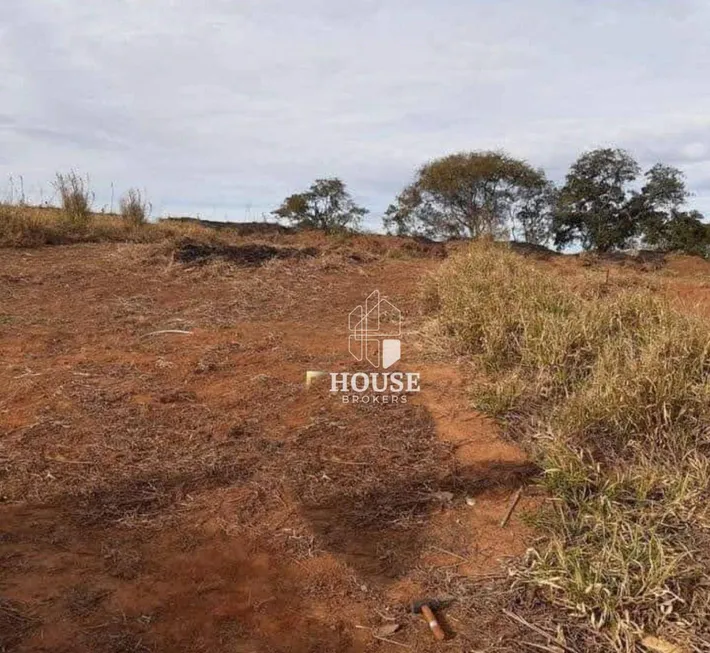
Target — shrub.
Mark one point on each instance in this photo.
(611, 385)
(76, 197)
(134, 208)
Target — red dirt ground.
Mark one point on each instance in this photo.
(177, 492)
(186, 492)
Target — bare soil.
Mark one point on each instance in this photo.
(168, 482)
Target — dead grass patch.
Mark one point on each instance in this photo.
(16, 623)
(27, 227)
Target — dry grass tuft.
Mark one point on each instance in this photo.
(76, 197)
(134, 208)
(611, 385)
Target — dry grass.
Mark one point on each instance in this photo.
(610, 385)
(134, 207)
(24, 227)
(28, 226)
(76, 197)
(16, 620)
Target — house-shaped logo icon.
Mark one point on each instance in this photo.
(375, 329)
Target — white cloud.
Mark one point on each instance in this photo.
(217, 105)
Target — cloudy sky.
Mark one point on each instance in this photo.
(223, 107)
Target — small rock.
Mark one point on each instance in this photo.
(470, 501)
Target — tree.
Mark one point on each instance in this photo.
(687, 232)
(326, 205)
(659, 204)
(467, 195)
(532, 218)
(596, 205)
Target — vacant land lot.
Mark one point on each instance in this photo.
(168, 482)
(170, 491)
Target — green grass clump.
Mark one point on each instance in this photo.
(612, 387)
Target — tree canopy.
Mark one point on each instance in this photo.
(471, 194)
(605, 203)
(325, 205)
(661, 199)
(601, 207)
(594, 206)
